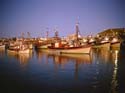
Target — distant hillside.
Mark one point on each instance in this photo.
(112, 32)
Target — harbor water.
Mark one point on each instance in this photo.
(102, 71)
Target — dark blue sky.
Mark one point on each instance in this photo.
(35, 16)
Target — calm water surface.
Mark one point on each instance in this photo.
(100, 72)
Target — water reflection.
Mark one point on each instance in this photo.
(103, 54)
(85, 73)
(40, 55)
(107, 61)
(78, 60)
(114, 83)
(2, 52)
(22, 58)
(63, 60)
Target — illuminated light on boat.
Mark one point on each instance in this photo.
(85, 40)
(106, 39)
(114, 40)
(91, 40)
(79, 36)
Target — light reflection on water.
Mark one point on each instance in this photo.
(114, 82)
(66, 73)
(2, 52)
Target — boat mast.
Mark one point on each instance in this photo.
(56, 33)
(77, 33)
(77, 30)
(28, 35)
(22, 36)
(47, 33)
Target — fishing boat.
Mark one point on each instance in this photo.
(104, 43)
(70, 48)
(28, 40)
(115, 43)
(30, 46)
(43, 43)
(18, 48)
(42, 46)
(91, 40)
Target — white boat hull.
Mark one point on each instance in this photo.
(30, 46)
(19, 51)
(43, 46)
(103, 45)
(115, 45)
(78, 50)
(2, 46)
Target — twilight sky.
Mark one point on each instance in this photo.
(35, 16)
